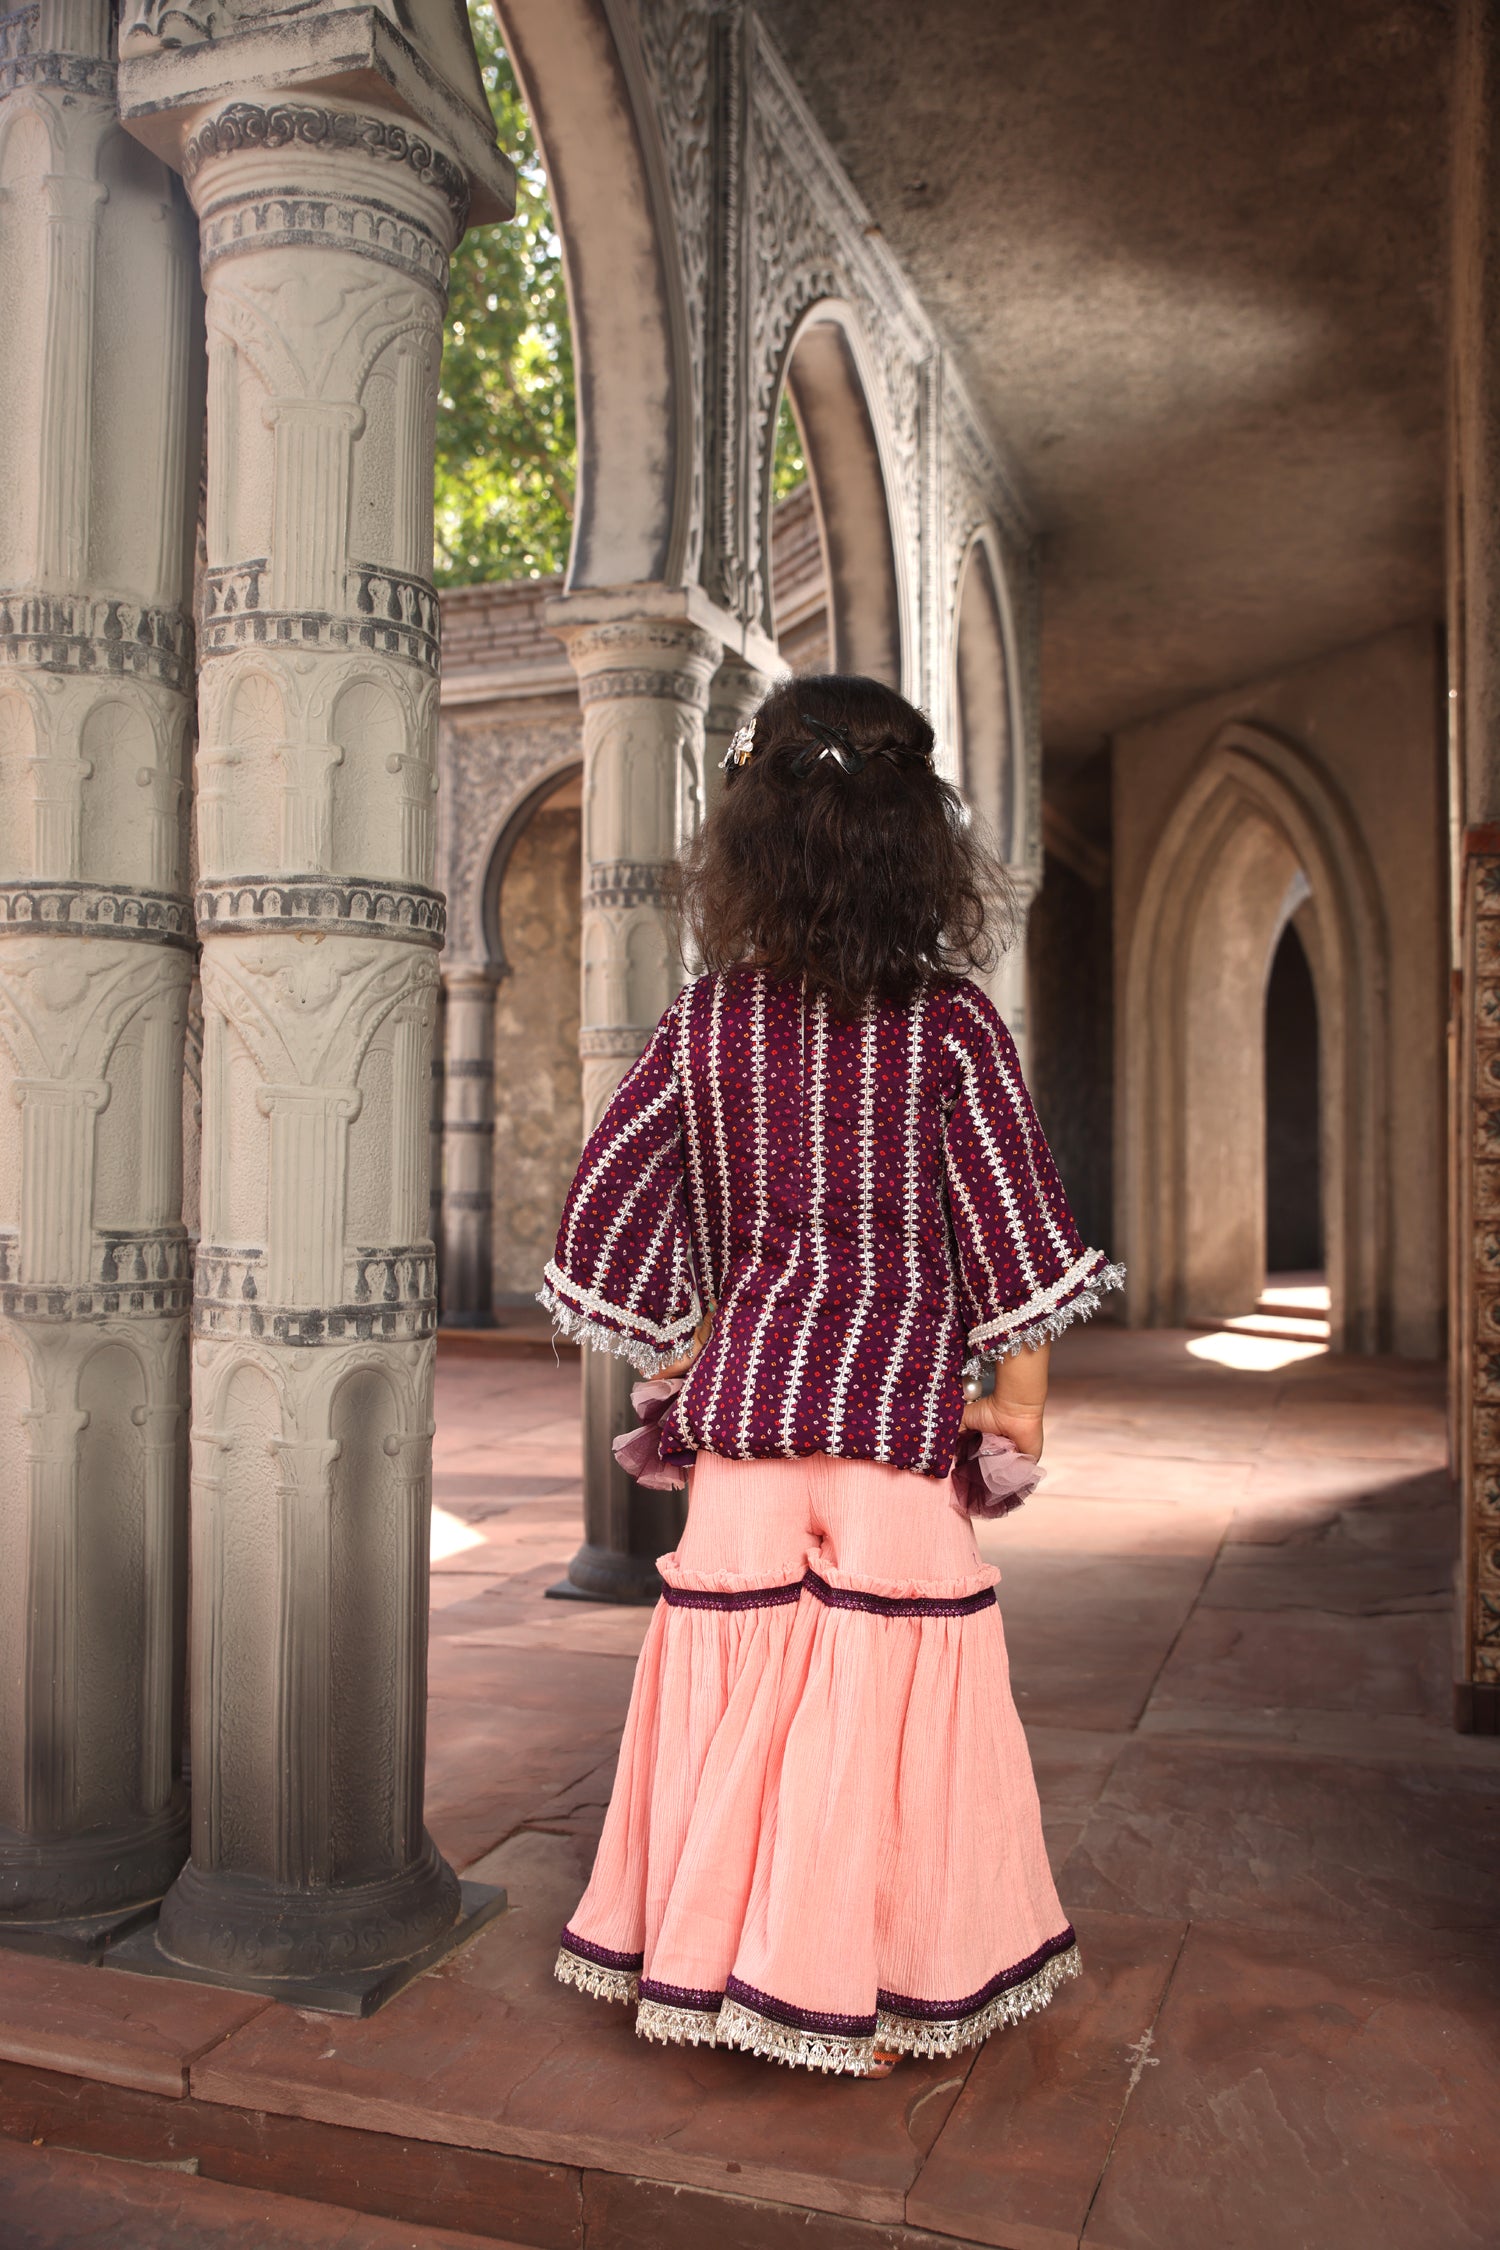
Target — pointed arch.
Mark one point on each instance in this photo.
(870, 607)
(1260, 833)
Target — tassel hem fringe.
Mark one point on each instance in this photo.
(594, 1979)
(1046, 1330)
(735, 2025)
(579, 1329)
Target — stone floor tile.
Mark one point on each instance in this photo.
(490, 2051)
(1340, 2094)
(1270, 1659)
(1276, 1839)
(1021, 2154)
(57, 2199)
(1343, 1574)
(96, 2023)
(1079, 1656)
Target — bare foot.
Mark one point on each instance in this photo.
(882, 2063)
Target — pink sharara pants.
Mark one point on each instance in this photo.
(824, 1834)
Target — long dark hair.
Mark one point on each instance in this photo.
(837, 854)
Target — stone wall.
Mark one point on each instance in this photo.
(538, 1087)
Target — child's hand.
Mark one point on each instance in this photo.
(1021, 1424)
(700, 1337)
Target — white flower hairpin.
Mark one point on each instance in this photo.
(741, 748)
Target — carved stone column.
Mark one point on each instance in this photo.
(326, 225)
(97, 344)
(468, 1146)
(644, 664)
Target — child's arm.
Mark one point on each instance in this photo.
(1014, 1407)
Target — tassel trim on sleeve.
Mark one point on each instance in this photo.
(992, 1341)
(647, 1356)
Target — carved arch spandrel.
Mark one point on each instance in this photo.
(1249, 774)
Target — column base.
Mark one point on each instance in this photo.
(1476, 1707)
(93, 1878)
(86, 1938)
(244, 1931)
(600, 1574)
(334, 1992)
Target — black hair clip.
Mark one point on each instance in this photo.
(828, 742)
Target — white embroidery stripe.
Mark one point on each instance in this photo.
(866, 1161)
(758, 1083)
(669, 1219)
(940, 1361)
(696, 1181)
(959, 1188)
(913, 1270)
(814, 1221)
(762, 1214)
(1042, 1302)
(997, 1163)
(622, 1216)
(1025, 1119)
(721, 1139)
(600, 1164)
(596, 1307)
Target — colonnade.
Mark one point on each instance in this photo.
(325, 222)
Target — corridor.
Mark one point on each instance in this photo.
(1229, 1611)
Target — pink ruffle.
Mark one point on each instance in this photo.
(639, 1452)
(991, 1475)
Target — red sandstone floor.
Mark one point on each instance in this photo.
(1229, 1615)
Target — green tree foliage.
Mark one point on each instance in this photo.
(506, 451)
(788, 467)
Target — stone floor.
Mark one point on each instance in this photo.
(1229, 1614)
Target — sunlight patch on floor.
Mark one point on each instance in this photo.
(450, 1536)
(1259, 1355)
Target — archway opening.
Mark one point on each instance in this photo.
(847, 485)
(1244, 1065)
(983, 702)
(538, 1091)
(1293, 1094)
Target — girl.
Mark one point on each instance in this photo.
(824, 1843)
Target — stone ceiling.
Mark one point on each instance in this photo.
(1190, 255)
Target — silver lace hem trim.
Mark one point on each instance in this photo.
(741, 2027)
(594, 1979)
(579, 1329)
(909, 2035)
(738, 2026)
(678, 2027)
(1044, 1331)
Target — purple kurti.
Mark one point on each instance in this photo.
(866, 1206)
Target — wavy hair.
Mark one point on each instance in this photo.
(868, 883)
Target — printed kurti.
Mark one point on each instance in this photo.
(864, 1206)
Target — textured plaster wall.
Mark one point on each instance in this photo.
(538, 1097)
(1371, 717)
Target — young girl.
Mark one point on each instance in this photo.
(823, 1195)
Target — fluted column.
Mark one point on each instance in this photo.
(644, 665)
(468, 1146)
(326, 227)
(95, 961)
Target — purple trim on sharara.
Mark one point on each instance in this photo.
(752, 1597)
(800, 2019)
(681, 1996)
(899, 1605)
(601, 1955)
(833, 1597)
(948, 2011)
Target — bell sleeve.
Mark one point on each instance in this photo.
(1024, 1270)
(621, 1277)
